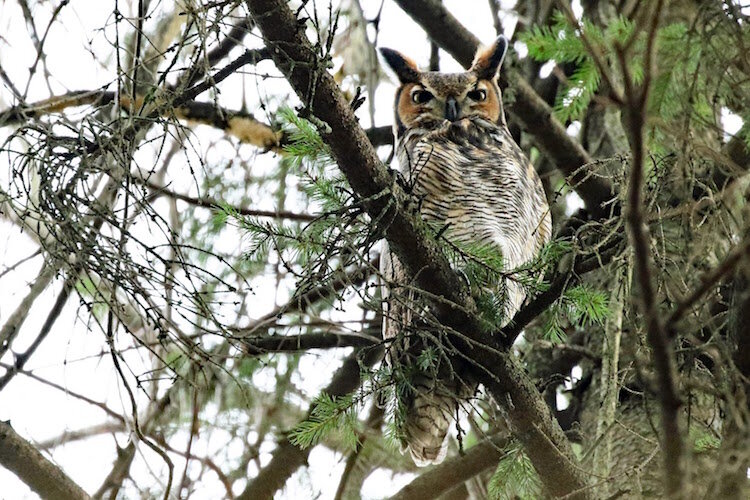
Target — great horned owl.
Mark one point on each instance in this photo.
(456, 154)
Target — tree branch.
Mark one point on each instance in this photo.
(708, 282)
(120, 470)
(305, 342)
(16, 320)
(240, 124)
(287, 457)
(662, 351)
(42, 476)
(528, 415)
(441, 478)
(54, 313)
(211, 203)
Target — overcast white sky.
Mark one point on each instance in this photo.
(69, 356)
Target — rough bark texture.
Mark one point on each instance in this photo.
(528, 415)
(42, 476)
(444, 477)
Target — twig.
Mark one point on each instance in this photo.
(17, 264)
(106, 409)
(707, 283)
(54, 313)
(216, 204)
(16, 320)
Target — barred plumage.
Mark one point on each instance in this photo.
(472, 179)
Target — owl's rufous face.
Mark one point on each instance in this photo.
(425, 98)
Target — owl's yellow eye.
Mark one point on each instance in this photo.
(421, 96)
(477, 95)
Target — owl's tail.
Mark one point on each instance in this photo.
(427, 420)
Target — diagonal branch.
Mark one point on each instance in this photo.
(42, 476)
(443, 477)
(238, 123)
(383, 199)
(16, 320)
(708, 282)
(49, 322)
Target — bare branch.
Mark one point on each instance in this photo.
(216, 204)
(42, 476)
(52, 316)
(663, 353)
(708, 283)
(442, 478)
(14, 322)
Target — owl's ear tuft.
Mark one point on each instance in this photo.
(406, 70)
(488, 59)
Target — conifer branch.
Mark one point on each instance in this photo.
(528, 414)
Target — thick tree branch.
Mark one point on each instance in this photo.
(442, 478)
(383, 199)
(42, 476)
(534, 114)
(305, 342)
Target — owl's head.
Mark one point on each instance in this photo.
(429, 97)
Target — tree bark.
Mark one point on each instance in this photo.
(42, 476)
(529, 417)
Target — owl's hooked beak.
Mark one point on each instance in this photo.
(451, 109)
